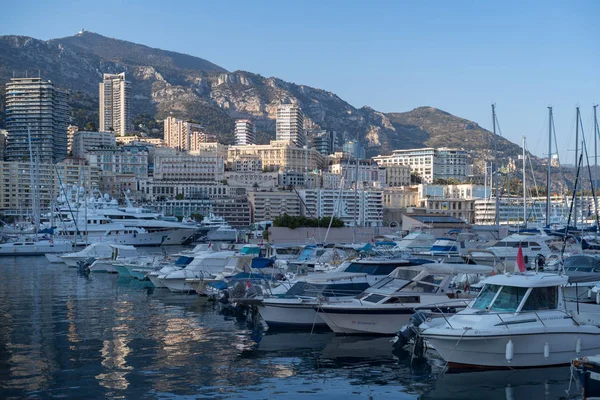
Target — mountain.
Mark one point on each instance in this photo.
(169, 83)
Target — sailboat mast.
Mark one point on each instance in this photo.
(595, 147)
(524, 188)
(497, 216)
(576, 154)
(549, 166)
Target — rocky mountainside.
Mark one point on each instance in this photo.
(165, 82)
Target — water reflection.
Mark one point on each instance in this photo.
(66, 335)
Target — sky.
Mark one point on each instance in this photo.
(459, 56)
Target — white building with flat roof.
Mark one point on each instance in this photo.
(364, 208)
(86, 140)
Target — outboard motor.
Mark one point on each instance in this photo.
(410, 331)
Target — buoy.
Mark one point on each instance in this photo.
(578, 346)
(510, 350)
(546, 350)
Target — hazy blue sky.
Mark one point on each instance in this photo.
(459, 56)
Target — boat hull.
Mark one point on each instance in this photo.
(156, 281)
(292, 314)
(365, 321)
(35, 248)
(528, 349)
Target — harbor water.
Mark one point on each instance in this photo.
(68, 335)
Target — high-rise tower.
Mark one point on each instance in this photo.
(115, 104)
(37, 105)
(290, 124)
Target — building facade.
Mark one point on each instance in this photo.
(325, 142)
(115, 104)
(362, 208)
(266, 206)
(117, 160)
(86, 140)
(37, 107)
(245, 132)
(290, 124)
(280, 155)
(397, 175)
(429, 163)
(183, 135)
(370, 175)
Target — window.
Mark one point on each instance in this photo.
(544, 298)
(486, 296)
(509, 298)
(374, 298)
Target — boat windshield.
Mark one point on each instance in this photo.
(509, 298)
(486, 296)
(327, 290)
(428, 284)
(183, 260)
(373, 269)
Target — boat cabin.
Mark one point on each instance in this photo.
(520, 293)
(335, 284)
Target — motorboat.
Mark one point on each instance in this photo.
(388, 305)
(224, 233)
(314, 257)
(517, 321)
(97, 251)
(582, 265)
(416, 242)
(120, 254)
(205, 265)
(296, 308)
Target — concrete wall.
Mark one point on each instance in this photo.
(303, 236)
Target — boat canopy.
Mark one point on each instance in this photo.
(541, 279)
(261, 262)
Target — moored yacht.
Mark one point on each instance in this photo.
(518, 320)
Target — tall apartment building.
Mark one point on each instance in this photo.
(325, 142)
(369, 173)
(245, 132)
(115, 104)
(290, 124)
(39, 106)
(3, 135)
(266, 206)
(183, 135)
(430, 163)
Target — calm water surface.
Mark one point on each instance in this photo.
(67, 335)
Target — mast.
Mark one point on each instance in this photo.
(549, 168)
(595, 147)
(576, 154)
(497, 217)
(524, 188)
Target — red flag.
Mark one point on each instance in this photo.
(520, 260)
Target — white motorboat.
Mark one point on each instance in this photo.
(517, 321)
(223, 233)
(296, 308)
(206, 265)
(582, 265)
(35, 247)
(416, 242)
(94, 250)
(120, 253)
(388, 305)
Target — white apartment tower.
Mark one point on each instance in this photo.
(290, 124)
(36, 106)
(183, 135)
(245, 132)
(115, 104)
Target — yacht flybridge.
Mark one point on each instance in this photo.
(518, 320)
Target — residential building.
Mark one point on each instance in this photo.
(248, 163)
(325, 142)
(362, 208)
(429, 163)
(116, 160)
(307, 180)
(400, 198)
(206, 166)
(455, 200)
(370, 175)
(183, 135)
(140, 140)
(37, 107)
(3, 134)
(235, 210)
(245, 132)
(353, 149)
(71, 130)
(290, 124)
(86, 140)
(115, 104)
(266, 206)
(397, 175)
(280, 155)
(16, 189)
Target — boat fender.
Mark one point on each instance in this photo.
(578, 346)
(546, 350)
(598, 298)
(510, 351)
(590, 295)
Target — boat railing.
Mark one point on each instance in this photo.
(535, 317)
